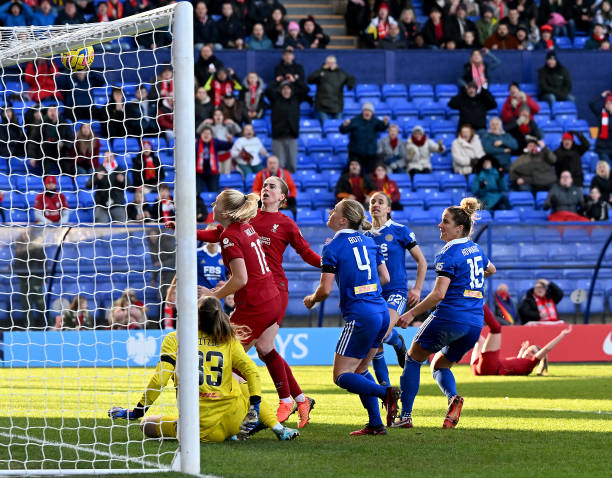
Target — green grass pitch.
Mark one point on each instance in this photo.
(560, 425)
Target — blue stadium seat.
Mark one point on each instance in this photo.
(394, 90)
(484, 216)
(561, 253)
(552, 140)
(530, 88)
(351, 107)
(304, 200)
(507, 216)
(425, 217)
(331, 126)
(332, 163)
(233, 181)
(402, 179)
(339, 142)
(260, 126)
(435, 198)
(505, 253)
(451, 180)
(588, 253)
(306, 110)
(564, 43)
(534, 215)
(599, 235)
(369, 90)
(30, 183)
(548, 125)
(540, 198)
(521, 198)
(407, 123)
(425, 181)
(305, 161)
(322, 198)
(533, 252)
(443, 126)
(446, 90)
(579, 42)
(499, 89)
(427, 109)
(575, 124)
(402, 107)
(333, 177)
(309, 217)
(544, 108)
(316, 144)
(564, 108)
(547, 235)
(575, 234)
(310, 126)
(419, 90)
(310, 179)
(441, 162)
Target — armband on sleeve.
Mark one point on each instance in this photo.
(329, 269)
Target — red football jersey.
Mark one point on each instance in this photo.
(240, 240)
(276, 231)
(517, 366)
(51, 205)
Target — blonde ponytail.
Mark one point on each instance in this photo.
(354, 212)
(237, 206)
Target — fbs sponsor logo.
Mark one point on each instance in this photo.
(607, 345)
(141, 349)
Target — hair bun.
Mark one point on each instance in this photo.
(470, 205)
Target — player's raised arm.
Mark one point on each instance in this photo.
(323, 290)
(164, 370)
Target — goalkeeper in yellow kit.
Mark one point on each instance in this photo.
(228, 409)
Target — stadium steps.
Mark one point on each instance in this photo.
(326, 15)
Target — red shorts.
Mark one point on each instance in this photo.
(284, 301)
(489, 363)
(257, 318)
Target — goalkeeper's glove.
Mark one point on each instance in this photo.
(126, 414)
(251, 420)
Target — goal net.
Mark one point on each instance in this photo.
(92, 116)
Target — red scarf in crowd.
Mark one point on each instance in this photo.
(383, 29)
(605, 120)
(221, 89)
(134, 3)
(149, 172)
(417, 142)
(524, 128)
(478, 75)
(166, 88)
(211, 158)
(166, 209)
(393, 143)
(115, 11)
(546, 308)
(253, 89)
(439, 32)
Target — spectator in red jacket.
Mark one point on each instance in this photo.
(516, 101)
(40, 75)
(273, 169)
(387, 186)
(50, 207)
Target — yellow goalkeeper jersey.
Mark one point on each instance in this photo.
(216, 362)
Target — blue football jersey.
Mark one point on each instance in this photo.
(394, 239)
(464, 262)
(354, 259)
(210, 268)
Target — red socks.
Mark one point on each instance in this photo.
(294, 388)
(277, 368)
(491, 321)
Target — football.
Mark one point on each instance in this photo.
(79, 58)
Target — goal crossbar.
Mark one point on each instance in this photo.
(30, 43)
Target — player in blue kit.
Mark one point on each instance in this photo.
(394, 240)
(356, 263)
(454, 326)
(210, 266)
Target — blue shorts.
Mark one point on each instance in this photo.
(396, 300)
(453, 339)
(362, 334)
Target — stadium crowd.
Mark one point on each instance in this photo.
(233, 115)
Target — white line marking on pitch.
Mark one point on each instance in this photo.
(595, 412)
(93, 451)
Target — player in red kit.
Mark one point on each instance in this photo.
(486, 360)
(256, 295)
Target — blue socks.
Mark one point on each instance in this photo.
(361, 385)
(370, 403)
(446, 381)
(409, 382)
(393, 339)
(380, 369)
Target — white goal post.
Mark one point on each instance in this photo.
(64, 358)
